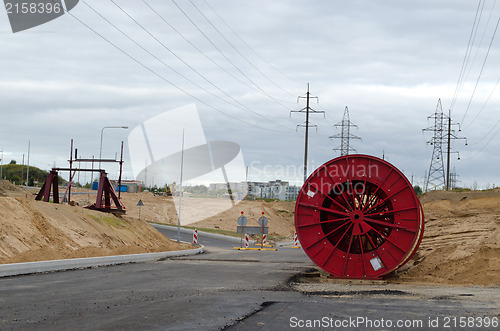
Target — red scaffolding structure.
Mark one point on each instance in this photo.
(106, 194)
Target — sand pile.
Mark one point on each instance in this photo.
(9, 190)
(34, 231)
(461, 244)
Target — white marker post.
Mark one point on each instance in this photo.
(180, 191)
(242, 221)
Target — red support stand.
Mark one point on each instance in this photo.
(107, 193)
(52, 180)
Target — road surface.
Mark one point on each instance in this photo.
(225, 289)
(171, 232)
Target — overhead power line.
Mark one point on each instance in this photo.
(484, 105)
(236, 77)
(481, 72)
(239, 104)
(466, 56)
(482, 37)
(159, 75)
(250, 47)
(489, 140)
(261, 90)
(236, 49)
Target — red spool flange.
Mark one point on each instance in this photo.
(357, 216)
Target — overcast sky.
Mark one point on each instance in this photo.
(243, 64)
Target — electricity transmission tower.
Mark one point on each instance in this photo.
(435, 175)
(307, 110)
(345, 135)
(454, 179)
(443, 133)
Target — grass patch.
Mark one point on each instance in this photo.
(218, 231)
(461, 189)
(109, 220)
(260, 199)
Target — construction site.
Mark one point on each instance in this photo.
(214, 165)
(460, 246)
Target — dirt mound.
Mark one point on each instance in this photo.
(34, 231)
(156, 208)
(461, 243)
(7, 189)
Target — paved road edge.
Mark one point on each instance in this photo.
(200, 233)
(14, 269)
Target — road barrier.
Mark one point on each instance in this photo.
(296, 243)
(195, 236)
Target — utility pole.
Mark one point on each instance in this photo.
(306, 110)
(28, 168)
(451, 136)
(345, 135)
(448, 153)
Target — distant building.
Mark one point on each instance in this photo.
(292, 192)
(276, 189)
(130, 186)
(235, 187)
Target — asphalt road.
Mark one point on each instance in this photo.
(224, 289)
(171, 232)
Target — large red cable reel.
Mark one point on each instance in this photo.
(357, 216)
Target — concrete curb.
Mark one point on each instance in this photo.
(201, 233)
(14, 269)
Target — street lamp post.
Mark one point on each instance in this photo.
(1, 166)
(102, 131)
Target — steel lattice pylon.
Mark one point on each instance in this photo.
(345, 135)
(436, 174)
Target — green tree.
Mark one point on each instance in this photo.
(418, 190)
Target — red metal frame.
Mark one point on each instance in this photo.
(357, 216)
(52, 181)
(105, 193)
(105, 190)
